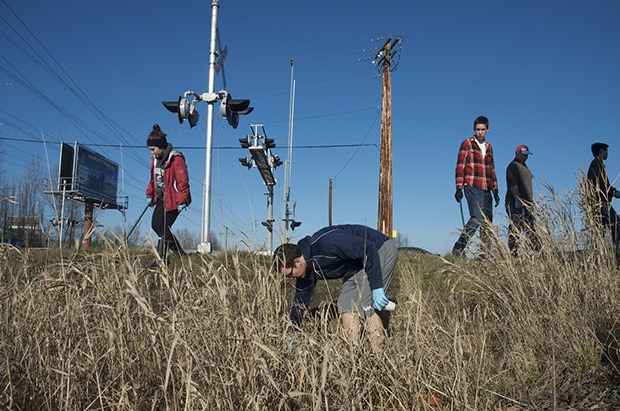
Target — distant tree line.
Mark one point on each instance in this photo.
(22, 207)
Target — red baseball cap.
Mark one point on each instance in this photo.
(523, 149)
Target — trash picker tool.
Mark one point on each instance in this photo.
(144, 211)
(462, 216)
(133, 227)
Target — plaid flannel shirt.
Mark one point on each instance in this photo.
(474, 170)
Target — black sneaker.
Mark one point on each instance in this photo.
(458, 253)
(152, 266)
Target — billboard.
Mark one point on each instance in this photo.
(87, 174)
(65, 170)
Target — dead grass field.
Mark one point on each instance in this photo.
(90, 331)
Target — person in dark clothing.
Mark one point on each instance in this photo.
(168, 189)
(362, 257)
(520, 200)
(604, 193)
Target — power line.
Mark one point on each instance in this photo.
(317, 146)
(359, 146)
(186, 130)
(108, 122)
(324, 115)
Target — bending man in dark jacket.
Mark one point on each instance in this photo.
(365, 260)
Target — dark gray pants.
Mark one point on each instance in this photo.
(356, 295)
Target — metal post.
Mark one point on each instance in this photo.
(62, 215)
(89, 207)
(270, 220)
(286, 214)
(329, 204)
(205, 245)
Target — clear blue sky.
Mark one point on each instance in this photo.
(544, 72)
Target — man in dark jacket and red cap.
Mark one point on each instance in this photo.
(520, 200)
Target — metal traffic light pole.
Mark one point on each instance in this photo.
(288, 164)
(205, 244)
(230, 109)
(270, 221)
(261, 157)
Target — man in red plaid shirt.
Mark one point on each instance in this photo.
(475, 174)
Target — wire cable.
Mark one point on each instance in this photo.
(359, 146)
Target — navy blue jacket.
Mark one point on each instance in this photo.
(338, 251)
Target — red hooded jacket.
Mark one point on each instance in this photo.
(176, 182)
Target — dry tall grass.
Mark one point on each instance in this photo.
(91, 331)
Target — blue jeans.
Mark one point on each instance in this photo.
(480, 204)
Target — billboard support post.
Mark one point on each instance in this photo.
(89, 206)
(62, 216)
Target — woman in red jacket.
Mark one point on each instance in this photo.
(168, 189)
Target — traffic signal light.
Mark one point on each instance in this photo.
(193, 116)
(268, 224)
(184, 110)
(269, 143)
(231, 109)
(175, 108)
(245, 142)
(275, 161)
(246, 161)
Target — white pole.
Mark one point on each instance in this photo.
(205, 245)
(62, 215)
(289, 160)
(270, 220)
(122, 196)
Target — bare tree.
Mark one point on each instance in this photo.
(119, 232)
(7, 206)
(135, 237)
(74, 221)
(27, 222)
(188, 239)
(215, 242)
(402, 240)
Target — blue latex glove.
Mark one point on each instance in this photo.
(289, 346)
(379, 298)
(181, 207)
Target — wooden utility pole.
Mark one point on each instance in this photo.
(383, 59)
